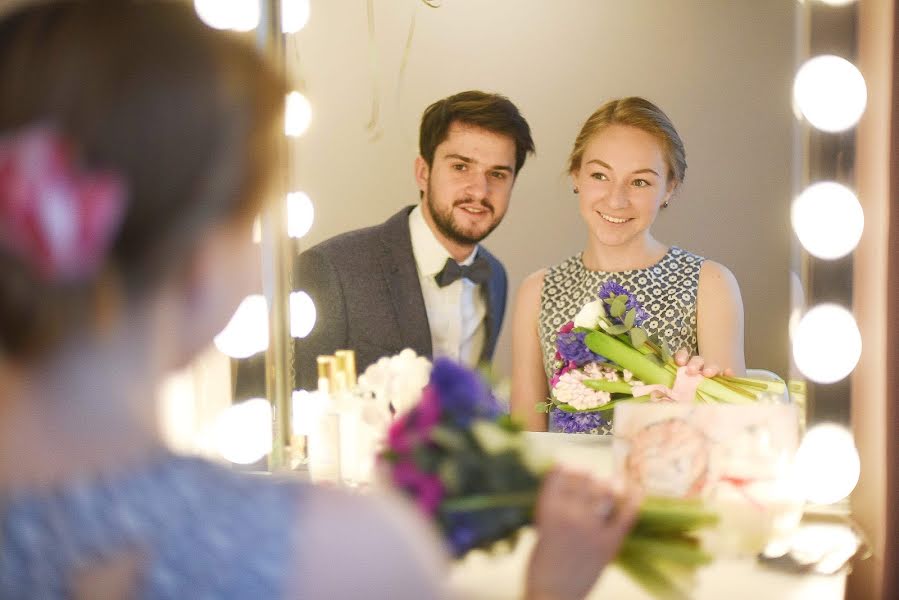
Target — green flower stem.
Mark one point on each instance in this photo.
(614, 387)
(487, 501)
(626, 356)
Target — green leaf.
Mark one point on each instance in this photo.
(616, 329)
(638, 337)
(449, 475)
(618, 306)
(630, 317)
(542, 407)
(448, 438)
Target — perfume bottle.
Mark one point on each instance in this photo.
(324, 435)
(350, 410)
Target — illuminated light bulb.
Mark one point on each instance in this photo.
(243, 432)
(247, 331)
(827, 343)
(298, 114)
(257, 230)
(300, 214)
(830, 92)
(827, 464)
(302, 314)
(294, 15)
(306, 408)
(828, 220)
(240, 15)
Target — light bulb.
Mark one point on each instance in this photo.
(830, 92)
(240, 15)
(306, 407)
(294, 15)
(827, 343)
(836, 2)
(298, 114)
(247, 331)
(257, 230)
(300, 214)
(243, 432)
(302, 314)
(828, 220)
(827, 464)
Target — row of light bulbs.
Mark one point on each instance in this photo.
(247, 332)
(242, 434)
(830, 93)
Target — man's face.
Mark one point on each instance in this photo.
(467, 188)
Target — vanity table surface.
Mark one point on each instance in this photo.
(481, 575)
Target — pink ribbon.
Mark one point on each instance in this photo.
(58, 219)
(684, 389)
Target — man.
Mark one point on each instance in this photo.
(421, 279)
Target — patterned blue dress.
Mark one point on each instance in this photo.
(667, 290)
(199, 530)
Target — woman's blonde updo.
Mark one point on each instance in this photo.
(641, 114)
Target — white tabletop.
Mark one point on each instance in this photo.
(500, 576)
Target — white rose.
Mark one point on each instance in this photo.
(589, 315)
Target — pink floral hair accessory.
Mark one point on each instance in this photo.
(57, 218)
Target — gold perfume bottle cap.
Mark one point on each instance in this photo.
(346, 362)
(327, 373)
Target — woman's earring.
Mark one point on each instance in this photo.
(575, 190)
(665, 204)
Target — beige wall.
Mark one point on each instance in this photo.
(722, 71)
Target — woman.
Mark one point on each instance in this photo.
(135, 151)
(627, 164)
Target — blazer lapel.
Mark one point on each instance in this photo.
(398, 262)
(495, 294)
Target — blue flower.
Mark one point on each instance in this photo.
(577, 422)
(462, 393)
(462, 532)
(611, 289)
(571, 348)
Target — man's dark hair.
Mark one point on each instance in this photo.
(492, 112)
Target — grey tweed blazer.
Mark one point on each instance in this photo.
(368, 297)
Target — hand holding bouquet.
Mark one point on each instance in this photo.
(467, 466)
(605, 357)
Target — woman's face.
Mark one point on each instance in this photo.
(622, 183)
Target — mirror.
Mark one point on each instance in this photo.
(722, 71)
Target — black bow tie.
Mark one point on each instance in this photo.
(477, 272)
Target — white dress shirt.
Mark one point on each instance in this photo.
(456, 313)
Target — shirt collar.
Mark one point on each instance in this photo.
(430, 255)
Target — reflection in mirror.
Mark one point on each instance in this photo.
(722, 74)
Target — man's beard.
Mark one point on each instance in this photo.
(447, 225)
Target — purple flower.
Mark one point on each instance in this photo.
(413, 428)
(612, 289)
(462, 393)
(577, 422)
(571, 348)
(425, 488)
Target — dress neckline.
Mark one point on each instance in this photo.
(579, 260)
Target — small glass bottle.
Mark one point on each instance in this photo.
(324, 436)
(350, 410)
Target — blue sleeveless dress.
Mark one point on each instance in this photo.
(198, 529)
(667, 291)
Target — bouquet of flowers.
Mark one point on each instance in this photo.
(466, 465)
(604, 357)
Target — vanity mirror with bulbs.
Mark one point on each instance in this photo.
(763, 93)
